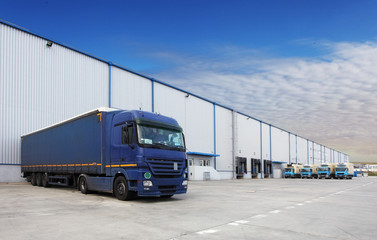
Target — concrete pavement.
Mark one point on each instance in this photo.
(232, 209)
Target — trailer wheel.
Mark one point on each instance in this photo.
(45, 180)
(39, 179)
(121, 189)
(83, 185)
(33, 179)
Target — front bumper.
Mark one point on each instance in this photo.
(161, 186)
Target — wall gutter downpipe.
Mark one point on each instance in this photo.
(152, 80)
(313, 152)
(289, 144)
(110, 64)
(261, 151)
(272, 172)
(296, 149)
(214, 133)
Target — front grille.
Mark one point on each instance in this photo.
(163, 167)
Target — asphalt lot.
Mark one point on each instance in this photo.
(233, 209)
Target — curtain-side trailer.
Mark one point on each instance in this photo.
(128, 153)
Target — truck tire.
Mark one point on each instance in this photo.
(83, 185)
(33, 179)
(121, 191)
(45, 180)
(39, 179)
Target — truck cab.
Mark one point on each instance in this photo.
(326, 170)
(344, 170)
(149, 151)
(292, 171)
(307, 171)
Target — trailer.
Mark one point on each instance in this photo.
(127, 153)
(344, 170)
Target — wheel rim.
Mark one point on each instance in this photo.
(82, 184)
(121, 188)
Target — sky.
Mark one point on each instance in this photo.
(306, 66)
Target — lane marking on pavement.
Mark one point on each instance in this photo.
(290, 207)
(300, 204)
(275, 211)
(233, 224)
(259, 216)
(207, 231)
(236, 223)
(242, 221)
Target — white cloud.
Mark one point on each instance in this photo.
(331, 99)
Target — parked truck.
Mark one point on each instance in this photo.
(309, 171)
(344, 170)
(326, 170)
(292, 171)
(127, 153)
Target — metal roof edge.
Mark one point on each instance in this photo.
(51, 40)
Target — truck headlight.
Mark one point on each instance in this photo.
(184, 183)
(147, 183)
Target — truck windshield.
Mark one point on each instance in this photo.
(323, 169)
(156, 137)
(289, 170)
(306, 170)
(341, 169)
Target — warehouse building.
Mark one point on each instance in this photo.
(44, 82)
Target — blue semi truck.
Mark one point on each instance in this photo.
(292, 170)
(127, 153)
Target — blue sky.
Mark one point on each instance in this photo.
(311, 63)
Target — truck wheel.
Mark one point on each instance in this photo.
(45, 180)
(83, 185)
(39, 179)
(33, 179)
(121, 189)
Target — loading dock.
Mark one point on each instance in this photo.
(255, 167)
(241, 167)
(267, 168)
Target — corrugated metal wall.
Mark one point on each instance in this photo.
(301, 150)
(224, 141)
(266, 142)
(279, 145)
(42, 85)
(130, 91)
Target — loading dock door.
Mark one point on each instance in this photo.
(255, 167)
(267, 166)
(241, 167)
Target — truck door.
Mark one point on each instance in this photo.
(124, 145)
